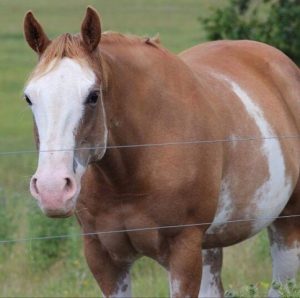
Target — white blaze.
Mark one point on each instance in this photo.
(58, 99)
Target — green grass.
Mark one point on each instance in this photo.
(57, 267)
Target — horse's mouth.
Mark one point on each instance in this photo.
(59, 215)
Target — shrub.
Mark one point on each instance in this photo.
(275, 22)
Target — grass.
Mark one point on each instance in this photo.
(57, 268)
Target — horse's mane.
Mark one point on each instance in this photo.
(68, 45)
(111, 37)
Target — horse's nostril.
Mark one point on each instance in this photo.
(69, 184)
(34, 185)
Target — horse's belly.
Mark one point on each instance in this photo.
(236, 221)
(257, 184)
(247, 205)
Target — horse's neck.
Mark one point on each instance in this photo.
(147, 88)
(142, 82)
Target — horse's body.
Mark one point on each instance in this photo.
(215, 91)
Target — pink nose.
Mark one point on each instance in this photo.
(54, 193)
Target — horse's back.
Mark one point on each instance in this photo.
(255, 91)
(250, 63)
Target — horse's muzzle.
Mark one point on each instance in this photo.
(55, 193)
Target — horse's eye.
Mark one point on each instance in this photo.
(92, 98)
(28, 100)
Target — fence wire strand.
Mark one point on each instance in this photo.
(144, 229)
(149, 145)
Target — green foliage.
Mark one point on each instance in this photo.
(230, 294)
(287, 290)
(43, 253)
(250, 291)
(276, 22)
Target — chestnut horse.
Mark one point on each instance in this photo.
(92, 92)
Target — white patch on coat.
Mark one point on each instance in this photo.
(285, 263)
(273, 195)
(174, 286)
(123, 288)
(224, 209)
(208, 288)
(269, 199)
(211, 281)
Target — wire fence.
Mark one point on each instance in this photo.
(149, 145)
(143, 229)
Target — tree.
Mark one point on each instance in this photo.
(276, 22)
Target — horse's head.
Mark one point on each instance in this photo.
(64, 93)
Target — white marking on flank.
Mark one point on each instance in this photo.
(273, 195)
(224, 209)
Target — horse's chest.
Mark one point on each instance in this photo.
(128, 246)
(127, 239)
(118, 246)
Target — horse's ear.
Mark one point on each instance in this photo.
(91, 29)
(34, 34)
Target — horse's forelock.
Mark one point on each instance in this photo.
(66, 45)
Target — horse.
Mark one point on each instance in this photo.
(182, 154)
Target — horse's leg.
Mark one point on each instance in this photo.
(284, 237)
(185, 264)
(211, 283)
(113, 277)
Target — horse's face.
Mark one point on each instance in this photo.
(69, 119)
